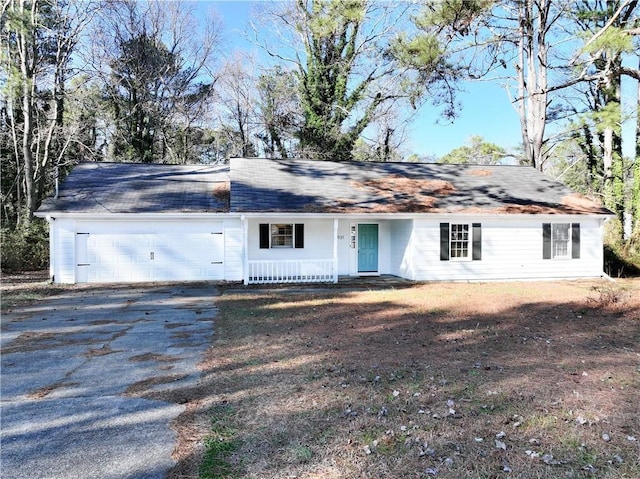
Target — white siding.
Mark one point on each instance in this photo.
(401, 262)
(63, 254)
(146, 250)
(233, 251)
(318, 240)
(344, 247)
(511, 249)
(384, 247)
(318, 243)
(410, 248)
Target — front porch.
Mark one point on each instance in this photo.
(292, 271)
(310, 249)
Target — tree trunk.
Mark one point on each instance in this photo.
(522, 109)
(613, 160)
(532, 78)
(635, 193)
(26, 52)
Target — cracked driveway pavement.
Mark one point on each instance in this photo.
(79, 370)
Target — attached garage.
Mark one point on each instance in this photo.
(159, 251)
(125, 223)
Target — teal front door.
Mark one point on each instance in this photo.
(367, 248)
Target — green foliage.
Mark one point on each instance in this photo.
(430, 51)
(26, 248)
(616, 200)
(584, 139)
(351, 69)
(608, 116)
(155, 80)
(621, 258)
(589, 133)
(478, 152)
(456, 15)
(219, 445)
(331, 30)
(142, 77)
(278, 109)
(569, 166)
(331, 16)
(422, 52)
(614, 40)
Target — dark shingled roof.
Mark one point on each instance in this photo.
(141, 188)
(299, 186)
(304, 186)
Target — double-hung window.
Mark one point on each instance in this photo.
(561, 240)
(459, 241)
(281, 235)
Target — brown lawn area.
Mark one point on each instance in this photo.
(482, 380)
(444, 380)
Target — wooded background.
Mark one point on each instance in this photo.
(129, 81)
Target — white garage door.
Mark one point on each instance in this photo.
(135, 257)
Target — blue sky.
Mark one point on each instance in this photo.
(486, 110)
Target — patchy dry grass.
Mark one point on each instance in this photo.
(513, 380)
(495, 380)
(23, 288)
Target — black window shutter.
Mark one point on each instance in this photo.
(546, 240)
(264, 235)
(477, 241)
(299, 235)
(575, 240)
(444, 241)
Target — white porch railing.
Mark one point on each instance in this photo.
(292, 271)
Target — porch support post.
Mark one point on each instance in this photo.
(335, 250)
(245, 249)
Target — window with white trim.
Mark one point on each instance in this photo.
(282, 235)
(561, 241)
(459, 239)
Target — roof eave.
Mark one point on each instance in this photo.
(136, 216)
(422, 215)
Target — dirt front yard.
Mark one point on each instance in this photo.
(483, 380)
(513, 380)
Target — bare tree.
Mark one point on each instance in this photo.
(236, 98)
(156, 62)
(278, 110)
(38, 40)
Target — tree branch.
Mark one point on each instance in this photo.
(601, 32)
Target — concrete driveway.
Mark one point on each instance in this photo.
(81, 372)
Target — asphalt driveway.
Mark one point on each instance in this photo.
(81, 372)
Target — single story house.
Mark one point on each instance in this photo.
(270, 221)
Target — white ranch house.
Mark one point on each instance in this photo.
(275, 221)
